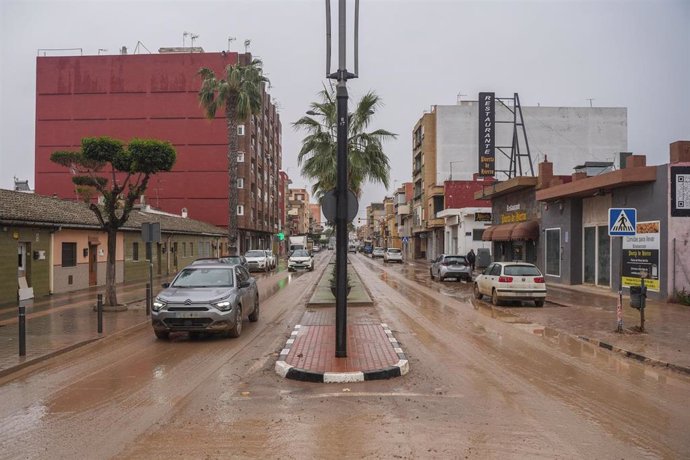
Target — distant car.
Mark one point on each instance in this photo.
(352, 248)
(300, 260)
(450, 266)
(392, 255)
(511, 281)
(210, 297)
(316, 248)
(257, 260)
(272, 259)
(377, 252)
(234, 260)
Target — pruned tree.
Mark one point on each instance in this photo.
(120, 174)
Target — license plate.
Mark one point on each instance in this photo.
(186, 314)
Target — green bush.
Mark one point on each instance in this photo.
(682, 297)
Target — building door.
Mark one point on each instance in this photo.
(93, 265)
(174, 248)
(597, 256)
(159, 256)
(21, 260)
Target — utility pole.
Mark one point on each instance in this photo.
(341, 75)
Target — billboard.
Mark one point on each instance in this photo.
(641, 253)
(487, 135)
(680, 191)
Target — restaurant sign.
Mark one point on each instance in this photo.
(487, 135)
(513, 217)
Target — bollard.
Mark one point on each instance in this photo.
(99, 307)
(22, 330)
(148, 299)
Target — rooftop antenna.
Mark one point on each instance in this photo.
(247, 42)
(185, 34)
(230, 40)
(101, 49)
(139, 43)
(590, 99)
(194, 37)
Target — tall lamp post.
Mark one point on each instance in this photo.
(341, 75)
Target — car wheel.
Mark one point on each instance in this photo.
(494, 298)
(539, 303)
(477, 294)
(254, 317)
(162, 335)
(237, 328)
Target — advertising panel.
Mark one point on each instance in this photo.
(680, 191)
(487, 135)
(641, 253)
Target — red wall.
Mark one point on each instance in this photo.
(460, 194)
(126, 96)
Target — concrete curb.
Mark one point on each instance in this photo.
(38, 359)
(286, 370)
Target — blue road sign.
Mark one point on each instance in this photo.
(622, 221)
(405, 240)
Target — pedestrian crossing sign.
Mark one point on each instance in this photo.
(622, 221)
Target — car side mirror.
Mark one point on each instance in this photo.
(165, 285)
(244, 284)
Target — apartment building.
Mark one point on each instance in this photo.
(155, 96)
(299, 212)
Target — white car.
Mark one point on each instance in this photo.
(257, 260)
(377, 252)
(511, 281)
(300, 260)
(392, 255)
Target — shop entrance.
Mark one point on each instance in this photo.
(597, 256)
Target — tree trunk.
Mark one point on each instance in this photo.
(110, 294)
(233, 198)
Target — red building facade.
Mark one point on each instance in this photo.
(155, 96)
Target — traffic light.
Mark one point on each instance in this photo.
(281, 236)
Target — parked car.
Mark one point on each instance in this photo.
(450, 266)
(211, 297)
(377, 252)
(234, 260)
(272, 259)
(392, 255)
(316, 248)
(300, 260)
(257, 260)
(511, 281)
(352, 248)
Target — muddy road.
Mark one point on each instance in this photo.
(478, 387)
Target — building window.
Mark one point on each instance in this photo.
(184, 249)
(553, 251)
(240, 157)
(69, 254)
(240, 130)
(191, 249)
(240, 210)
(240, 182)
(135, 251)
(477, 234)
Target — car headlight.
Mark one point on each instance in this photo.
(223, 305)
(158, 304)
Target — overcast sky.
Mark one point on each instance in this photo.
(415, 54)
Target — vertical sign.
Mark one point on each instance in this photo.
(641, 254)
(487, 135)
(680, 191)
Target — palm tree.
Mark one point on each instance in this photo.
(239, 93)
(366, 159)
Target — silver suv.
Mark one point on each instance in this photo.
(209, 297)
(450, 266)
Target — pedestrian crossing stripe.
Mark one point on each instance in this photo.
(622, 221)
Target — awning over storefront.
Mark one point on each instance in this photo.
(486, 236)
(503, 232)
(526, 231)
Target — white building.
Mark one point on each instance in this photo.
(463, 229)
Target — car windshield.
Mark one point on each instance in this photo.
(522, 270)
(300, 253)
(393, 251)
(455, 260)
(203, 277)
(255, 254)
(232, 260)
(378, 249)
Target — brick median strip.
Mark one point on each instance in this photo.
(289, 371)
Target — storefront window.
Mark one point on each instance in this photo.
(553, 251)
